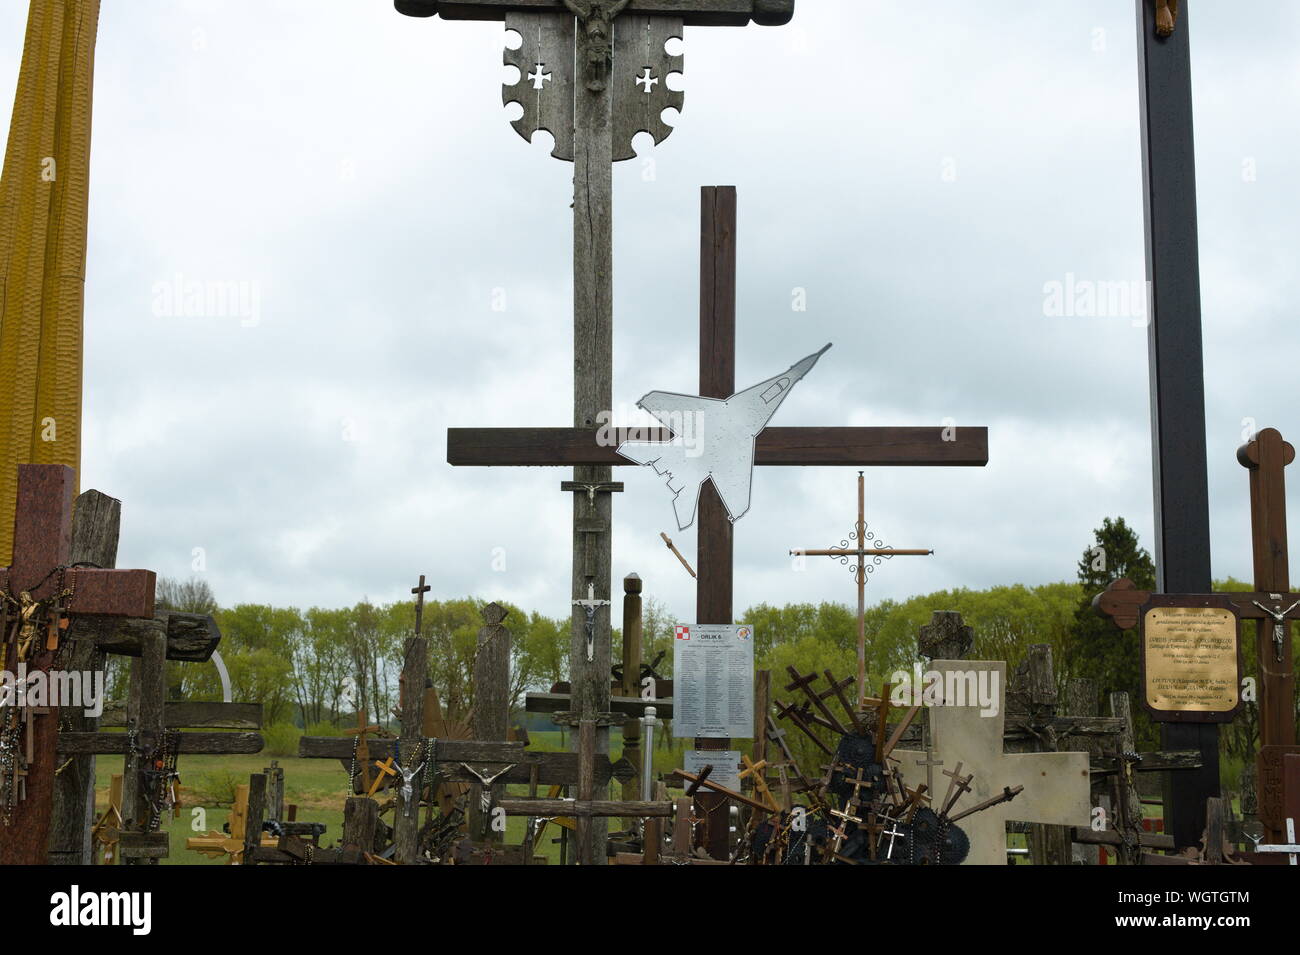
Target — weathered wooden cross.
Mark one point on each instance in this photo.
(594, 74)
(860, 553)
(1272, 605)
(37, 592)
(789, 446)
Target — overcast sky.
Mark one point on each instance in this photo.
(923, 174)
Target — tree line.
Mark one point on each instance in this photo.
(317, 668)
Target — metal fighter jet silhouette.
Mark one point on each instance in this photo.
(713, 440)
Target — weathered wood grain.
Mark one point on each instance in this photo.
(193, 744)
(776, 446)
(96, 521)
(190, 636)
(194, 714)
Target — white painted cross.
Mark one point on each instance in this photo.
(1291, 848)
(1056, 784)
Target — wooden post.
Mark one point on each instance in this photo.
(360, 822)
(593, 381)
(274, 791)
(1266, 457)
(145, 718)
(1126, 803)
(632, 637)
(1181, 481)
(96, 520)
(713, 600)
(491, 699)
(1034, 690)
(256, 813)
(406, 818)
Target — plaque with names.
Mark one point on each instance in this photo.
(1191, 664)
(713, 681)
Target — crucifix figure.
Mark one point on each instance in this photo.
(593, 123)
(861, 552)
(44, 588)
(589, 607)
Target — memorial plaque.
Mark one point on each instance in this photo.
(713, 681)
(725, 763)
(1191, 664)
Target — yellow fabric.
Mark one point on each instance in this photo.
(44, 192)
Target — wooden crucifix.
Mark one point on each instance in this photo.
(39, 590)
(1271, 605)
(594, 74)
(789, 446)
(860, 553)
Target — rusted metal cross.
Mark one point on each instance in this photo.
(39, 573)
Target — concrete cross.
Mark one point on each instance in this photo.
(1056, 784)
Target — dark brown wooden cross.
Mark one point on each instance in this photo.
(1272, 605)
(420, 590)
(42, 542)
(776, 446)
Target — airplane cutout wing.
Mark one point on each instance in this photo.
(713, 439)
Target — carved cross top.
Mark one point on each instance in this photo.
(568, 47)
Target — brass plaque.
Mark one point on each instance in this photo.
(1190, 660)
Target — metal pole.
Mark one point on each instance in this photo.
(648, 754)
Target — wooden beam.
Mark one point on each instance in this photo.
(191, 637)
(776, 446)
(194, 744)
(698, 13)
(632, 706)
(190, 714)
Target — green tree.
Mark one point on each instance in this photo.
(1094, 648)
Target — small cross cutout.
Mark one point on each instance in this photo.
(647, 80)
(539, 77)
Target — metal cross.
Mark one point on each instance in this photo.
(859, 554)
(589, 607)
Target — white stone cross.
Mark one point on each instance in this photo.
(1056, 784)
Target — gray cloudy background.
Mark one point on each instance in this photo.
(921, 173)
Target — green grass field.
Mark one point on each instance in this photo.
(318, 787)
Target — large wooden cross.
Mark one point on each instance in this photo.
(790, 446)
(594, 74)
(1272, 605)
(42, 544)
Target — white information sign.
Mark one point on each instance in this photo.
(713, 681)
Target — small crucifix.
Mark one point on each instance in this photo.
(860, 553)
(589, 606)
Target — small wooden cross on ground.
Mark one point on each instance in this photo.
(39, 592)
(860, 553)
